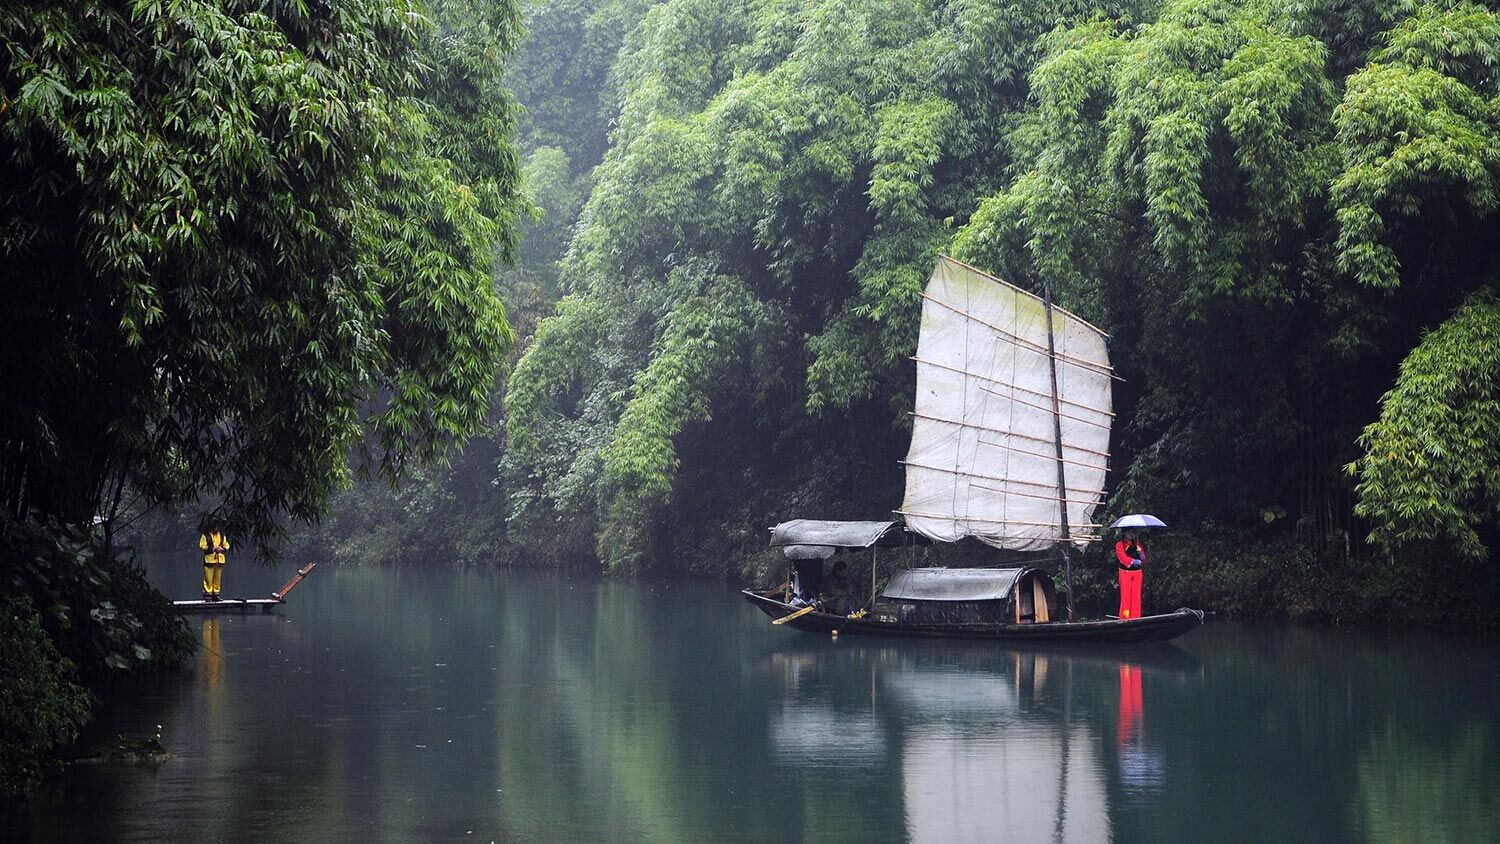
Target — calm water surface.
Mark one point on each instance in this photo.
(408, 704)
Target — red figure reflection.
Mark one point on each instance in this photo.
(1142, 771)
(1130, 706)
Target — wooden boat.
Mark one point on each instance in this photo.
(1149, 628)
(1010, 447)
(246, 604)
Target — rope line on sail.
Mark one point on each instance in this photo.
(1095, 500)
(1049, 410)
(1011, 448)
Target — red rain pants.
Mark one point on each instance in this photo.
(1130, 593)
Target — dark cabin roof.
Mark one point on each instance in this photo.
(940, 584)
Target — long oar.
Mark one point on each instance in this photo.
(798, 614)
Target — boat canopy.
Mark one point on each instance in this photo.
(834, 535)
(1005, 430)
(940, 584)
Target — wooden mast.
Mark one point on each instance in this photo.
(1062, 485)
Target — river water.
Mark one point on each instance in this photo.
(422, 704)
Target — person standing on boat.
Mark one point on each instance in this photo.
(214, 543)
(837, 594)
(1130, 553)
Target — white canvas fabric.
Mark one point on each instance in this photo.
(982, 461)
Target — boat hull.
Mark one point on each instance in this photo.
(1151, 628)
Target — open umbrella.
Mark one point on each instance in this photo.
(1138, 520)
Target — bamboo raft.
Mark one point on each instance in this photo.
(246, 604)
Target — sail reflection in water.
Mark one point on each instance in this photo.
(987, 745)
(1001, 772)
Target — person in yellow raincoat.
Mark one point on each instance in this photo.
(214, 542)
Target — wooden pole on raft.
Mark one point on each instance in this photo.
(280, 595)
(1062, 484)
(873, 552)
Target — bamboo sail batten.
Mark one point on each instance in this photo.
(1000, 521)
(1003, 432)
(994, 380)
(997, 478)
(1022, 343)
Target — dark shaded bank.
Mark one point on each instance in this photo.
(74, 617)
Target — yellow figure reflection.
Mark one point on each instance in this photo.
(210, 659)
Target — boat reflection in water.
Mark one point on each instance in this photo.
(991, 745)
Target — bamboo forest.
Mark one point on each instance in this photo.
(750, 420)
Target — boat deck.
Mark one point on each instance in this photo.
(1151, 628)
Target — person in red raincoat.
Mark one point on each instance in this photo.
(1130, 553)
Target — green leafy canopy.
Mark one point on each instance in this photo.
(241, 239)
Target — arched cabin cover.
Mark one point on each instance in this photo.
(969, 596)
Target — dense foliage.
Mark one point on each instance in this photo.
(40, 704)
(1266, 204)
(1431, 468)
(457, 512)
(791, 171)
(242, 242)
(71, 613)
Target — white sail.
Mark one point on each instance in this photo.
(983, 459)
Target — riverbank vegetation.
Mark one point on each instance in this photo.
(248, 250)
(1280, 212)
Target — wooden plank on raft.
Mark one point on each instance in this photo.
(1039, 601)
